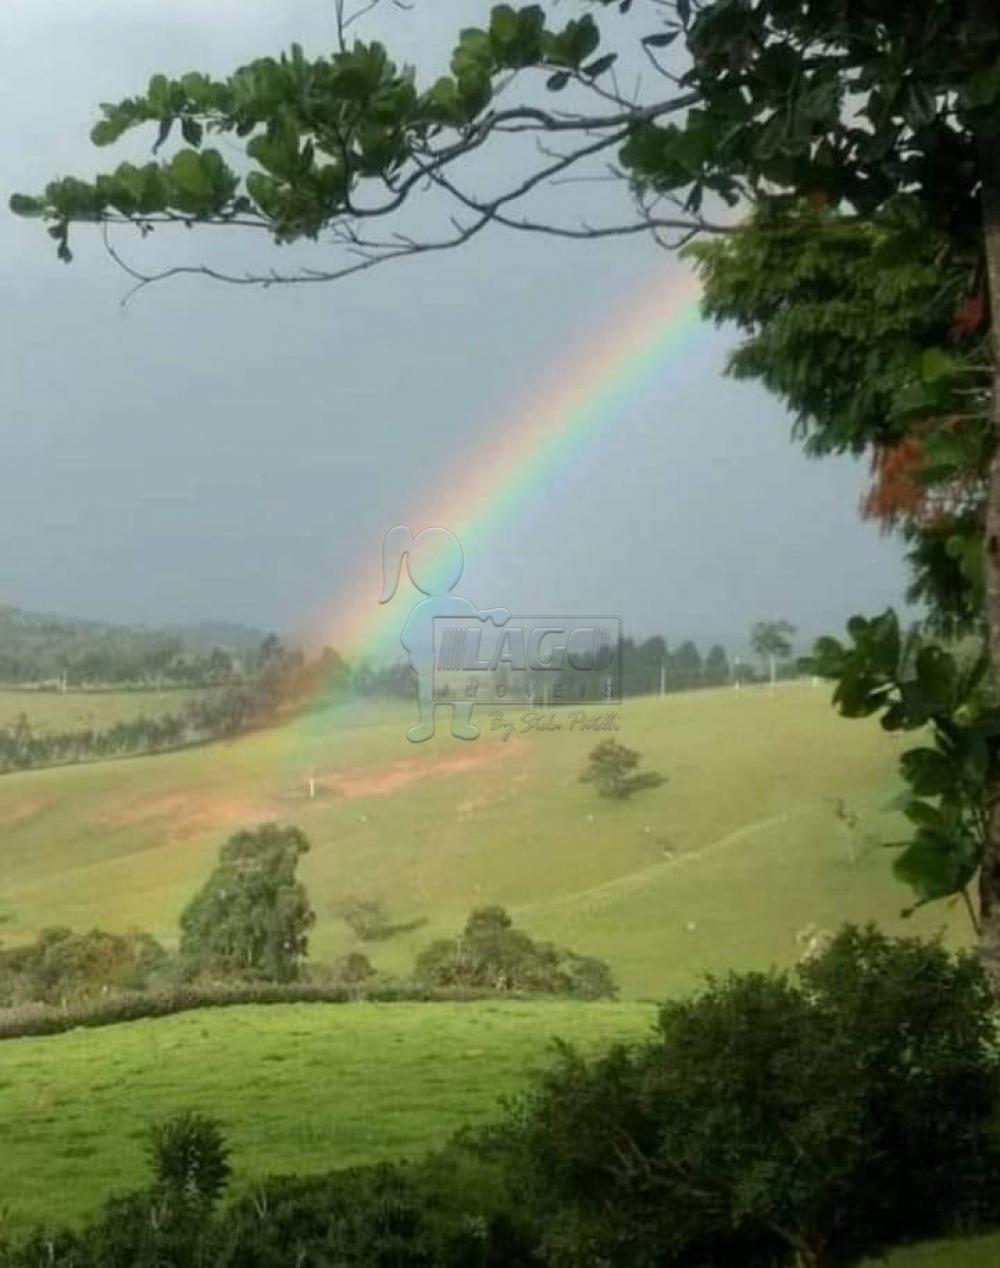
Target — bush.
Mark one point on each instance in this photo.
(490, 953)
(804, 1120)
(117, 1007)
(427, 1215)
(65, 967)
(354, 969)
(190, 1156)
(612, 767)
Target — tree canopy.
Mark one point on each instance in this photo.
(251, 918)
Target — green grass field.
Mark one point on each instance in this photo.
(300, 1088)
(720, 867)
(49, 711)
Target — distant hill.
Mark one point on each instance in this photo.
(37, 647)
(203, 636)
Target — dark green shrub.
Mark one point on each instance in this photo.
(189, 1156)
(354, 969)
(775, 1120)
(61, 966)
(156, 1228)
(387, 1216)
(612, 767)
(492, 954)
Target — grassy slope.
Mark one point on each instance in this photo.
(77, 710)
(980, 1252)
(720, 867)
(300, 1087)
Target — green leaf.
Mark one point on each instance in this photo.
(662, 39)
(935, 366)
(159, 96)
(192, 131)
(919, 106)
(933, 871)
(600, 65)
(924, 815)
(928, 772)
(936, 676)
(24, 205)
(107, 131)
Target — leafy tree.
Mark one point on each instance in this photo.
(771, 639)
(716, 665)
(252, 916)
(687, 664)
(806, 1120)
(490, 953)
(62, 967)
(612, 767)
(354, 969)
(190, 1156)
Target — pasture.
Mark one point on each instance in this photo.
(723, 866)
(300, 1088)
(49, 711)
(745, 848)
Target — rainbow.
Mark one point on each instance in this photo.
(585, 393)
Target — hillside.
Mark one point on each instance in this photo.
(720, 867)
(300, 1088)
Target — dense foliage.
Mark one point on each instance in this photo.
(252, 916)
(770, 1121)
(775, 1120)
(62, 967)
(491, 953)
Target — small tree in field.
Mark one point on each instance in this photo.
(612, 767)
(190, 1156)
(252, 915)
(771, 639)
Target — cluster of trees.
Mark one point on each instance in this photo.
(62, 653)
(649, 667)
(61, 966)
(250, 922)
(770, 1121)
(275, 683)
(21, 747)
(490, 953)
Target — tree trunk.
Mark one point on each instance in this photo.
(989, 879)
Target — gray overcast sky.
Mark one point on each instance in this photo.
(218, 453)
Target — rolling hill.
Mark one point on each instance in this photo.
(725, 865)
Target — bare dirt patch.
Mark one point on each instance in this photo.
(22, 811)
(382, 780)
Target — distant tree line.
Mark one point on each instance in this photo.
(61, 653)
(649, 667)
(275, 682)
